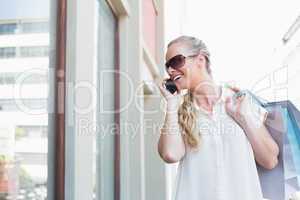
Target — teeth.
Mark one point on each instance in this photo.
(177, 77)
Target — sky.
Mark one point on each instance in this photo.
(22, 9)
(243, 36)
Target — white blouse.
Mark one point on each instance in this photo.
(224, 167)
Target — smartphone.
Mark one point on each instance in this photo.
(170, 85)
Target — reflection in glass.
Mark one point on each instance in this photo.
(24, 52)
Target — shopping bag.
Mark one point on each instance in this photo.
(282, 122)
(293, 133)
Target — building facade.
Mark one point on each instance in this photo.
(79, 99)
(24, 64)
(115, 53)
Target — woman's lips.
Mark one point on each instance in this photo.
(177, 77)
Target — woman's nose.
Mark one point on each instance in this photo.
(170, 70)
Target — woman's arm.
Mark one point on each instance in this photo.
(171, 145)
(264, 147)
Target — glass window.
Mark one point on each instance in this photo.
(7, 52)
(31, 51)
(38, 51)
(24, 27)
(8, 28)
(34, 27)
(24, 130)
(12, 78)
(10, 105)
(7, 78)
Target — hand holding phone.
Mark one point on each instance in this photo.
(170, 92)
(172, 95)
(170, 86)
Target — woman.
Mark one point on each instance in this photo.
(216, 137)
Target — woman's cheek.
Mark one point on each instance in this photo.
(178, 85)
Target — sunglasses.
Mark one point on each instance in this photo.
(177, 61)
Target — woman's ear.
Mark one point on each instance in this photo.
(201, 60)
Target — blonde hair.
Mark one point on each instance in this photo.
(187, 113)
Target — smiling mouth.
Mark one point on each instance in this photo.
(177, 77)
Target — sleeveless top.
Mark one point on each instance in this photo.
(223, 168)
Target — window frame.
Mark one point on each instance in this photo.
(56, 105)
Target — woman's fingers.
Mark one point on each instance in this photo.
(239, 101)
(163, 87)
(234, 106)
(228, 105)
(235, 89)
(166, 93)
(163, 90)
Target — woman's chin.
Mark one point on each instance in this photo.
(180, 86)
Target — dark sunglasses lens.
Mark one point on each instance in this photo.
(176, 62)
